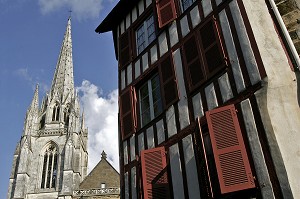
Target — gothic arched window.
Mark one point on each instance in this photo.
(67, 112)
(49, 174)
(55, 115)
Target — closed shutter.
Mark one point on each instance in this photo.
(127, 106)
(193, 62)
(212, 46)
(154, 173)
(233, 168)
(124, 49)
(169, 82)
(166, 11)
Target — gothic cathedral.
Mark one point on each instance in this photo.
(51, 158)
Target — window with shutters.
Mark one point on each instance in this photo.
(145, 34)
(166, 12)
(150, 101)
(125, 53)
(211, 46)
(154, 173)
(127, 112)
(229, 151)
(203, 54)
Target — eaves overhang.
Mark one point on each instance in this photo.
(118, 13)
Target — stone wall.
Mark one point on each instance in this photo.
(290, 12)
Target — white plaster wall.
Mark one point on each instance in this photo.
(277, 100)
(132, 148)
(160, 129)
(183, 110)
(190, 167)
(171, 123)
(211, 97)
(126, 185)
(150, 137)
(163, 45)
(133, 183)
(233, 57)
(176, 172)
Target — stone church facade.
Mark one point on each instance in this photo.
(51, 158)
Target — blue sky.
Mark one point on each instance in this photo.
(31, 33)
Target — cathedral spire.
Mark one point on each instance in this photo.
(34, 106)
(63, 80)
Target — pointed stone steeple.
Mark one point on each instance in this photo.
(63, 80)
(52, 128)
(32, 113)
(34, 106)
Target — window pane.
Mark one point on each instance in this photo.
(146, 117)
(145, 104)
(144, 91)
(150, 100)
(150, 29)
(155, 89)
(145, 34)
(186, 4)
(157, 106)
(49, 171)
(141, 38)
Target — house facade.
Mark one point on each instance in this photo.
(208, 99)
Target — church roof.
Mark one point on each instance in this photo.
(103, 172)
(63, 80)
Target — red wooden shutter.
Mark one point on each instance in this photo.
(124, 49)
(213, 50)
(127, 113)
(154, 173)
(205, 180)
(193, 62)
(169, 83)
(230, 154)
(166, 12)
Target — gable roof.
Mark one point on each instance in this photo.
(103, 172)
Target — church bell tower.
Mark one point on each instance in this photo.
(51, 157)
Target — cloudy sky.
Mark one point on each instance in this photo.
(31, 34)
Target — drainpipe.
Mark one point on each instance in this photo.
(286, 34)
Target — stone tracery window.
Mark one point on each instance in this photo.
(55, 115)
(49, 173)
(67, 112)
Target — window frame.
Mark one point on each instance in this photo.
(204, 67)
(49, 178)
(144, 25)
(153, 115)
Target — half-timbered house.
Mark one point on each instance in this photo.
(208, 99)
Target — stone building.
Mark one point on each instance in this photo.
(209, 99)
(102, 182)
(51, 158)
(290, 12)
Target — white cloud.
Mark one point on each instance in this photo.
(101, 119)
(81, 9)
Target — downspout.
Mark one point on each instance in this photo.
(286, 34)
